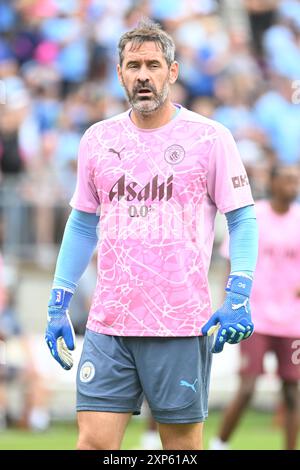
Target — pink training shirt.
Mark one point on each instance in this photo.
(157, 192)
(275, 297)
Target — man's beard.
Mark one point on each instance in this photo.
(147, 105)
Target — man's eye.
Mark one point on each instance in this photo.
(132, 66)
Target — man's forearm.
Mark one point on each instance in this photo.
(243, 241)
(78, 244)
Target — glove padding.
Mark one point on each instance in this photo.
(232, 322)
(59, 335)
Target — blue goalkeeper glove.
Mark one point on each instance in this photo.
(59, 334)
(232, 322)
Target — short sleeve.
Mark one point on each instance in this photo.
(227, 181)
(85, 197)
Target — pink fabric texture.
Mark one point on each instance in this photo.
(157, 192)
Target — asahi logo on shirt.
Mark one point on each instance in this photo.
(174, 154)
(151, 190)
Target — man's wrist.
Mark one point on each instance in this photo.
(60, 298)
(239, 283)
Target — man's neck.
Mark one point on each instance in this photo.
(158, 118)
(280, 207)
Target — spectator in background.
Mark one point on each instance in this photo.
(279, 118)
(261, 16)
(281, 40)
(204, 105)
(69, 33)
(202, 49)
(275, 306)
(34, 412)
(19, 138)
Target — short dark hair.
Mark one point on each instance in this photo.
(148, 30)
(278, 168)
(275, 171)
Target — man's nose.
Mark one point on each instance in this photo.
(143, 74)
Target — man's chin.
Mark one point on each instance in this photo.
(145, 107)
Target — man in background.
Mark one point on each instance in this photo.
(275, 304)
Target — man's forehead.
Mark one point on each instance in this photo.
(147, 50)
(289, 171)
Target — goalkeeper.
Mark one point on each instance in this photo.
(157, 174)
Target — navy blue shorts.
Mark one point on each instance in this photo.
(115, 373)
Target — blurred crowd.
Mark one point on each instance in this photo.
(240, 65)
(31, 405)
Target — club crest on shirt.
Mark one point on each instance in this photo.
(87, 372)
(174, 154)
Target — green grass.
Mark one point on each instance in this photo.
(255, 432)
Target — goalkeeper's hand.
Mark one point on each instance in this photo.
(232, 322)
(59, 334)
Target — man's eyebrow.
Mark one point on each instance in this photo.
(132, 62)
(148, 61)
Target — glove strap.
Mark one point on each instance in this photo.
(60, 298)
(239, 284)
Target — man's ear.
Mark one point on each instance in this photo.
(119, 72)
(174, 71)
